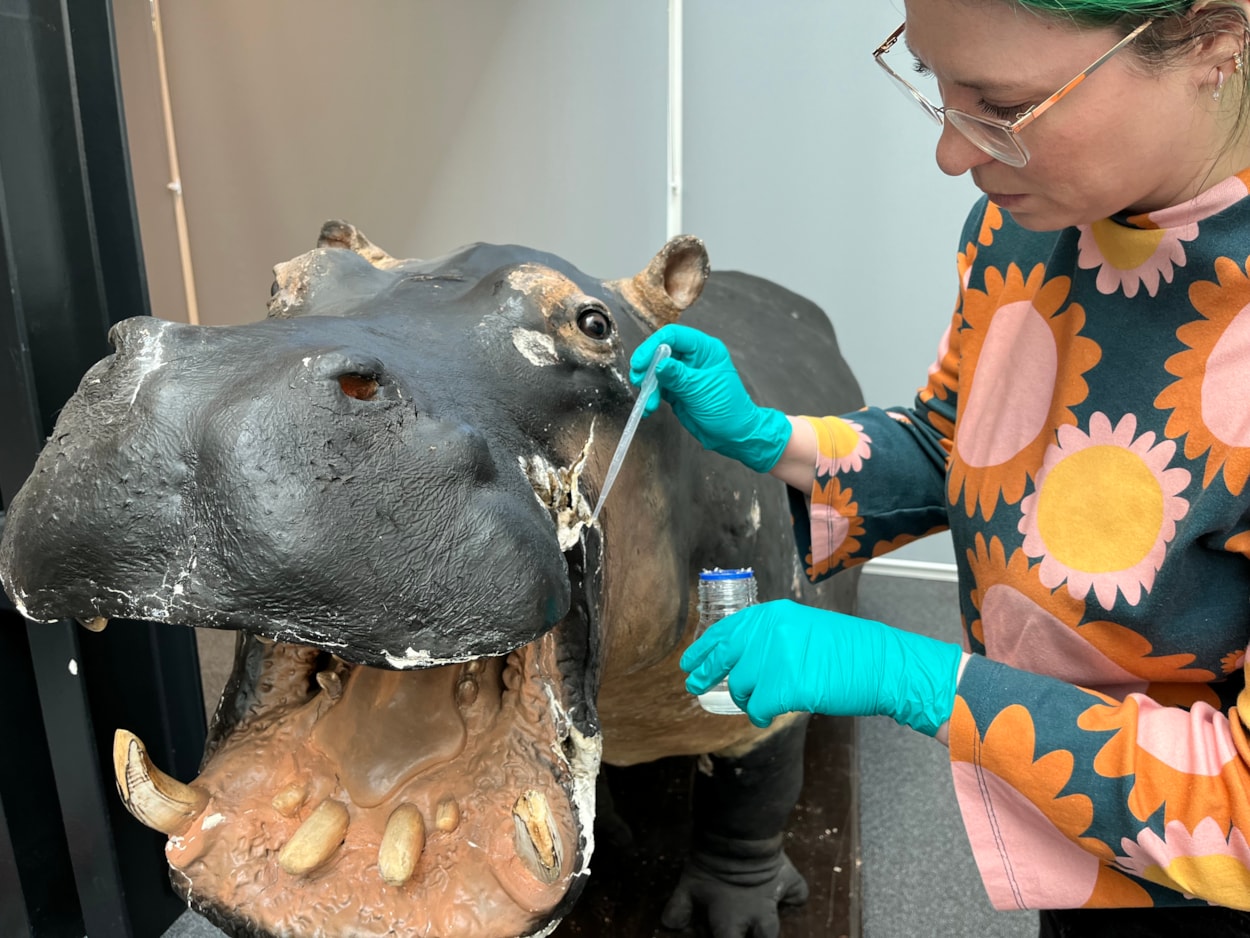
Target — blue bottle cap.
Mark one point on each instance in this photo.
(741, 573)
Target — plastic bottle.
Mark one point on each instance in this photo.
(720, 593)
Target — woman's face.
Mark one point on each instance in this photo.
(1127, 138)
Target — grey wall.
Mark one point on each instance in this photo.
(803, 164)
(430, 123)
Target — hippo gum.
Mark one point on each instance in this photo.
(384, 488)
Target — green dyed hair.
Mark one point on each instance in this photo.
(1109, 11)
(1173, 33)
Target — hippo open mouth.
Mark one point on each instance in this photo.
(445, 801)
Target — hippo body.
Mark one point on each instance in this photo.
(385, 488)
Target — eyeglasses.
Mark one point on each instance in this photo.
(999, 138)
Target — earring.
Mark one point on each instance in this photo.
(1237, 61)
(1219, 84)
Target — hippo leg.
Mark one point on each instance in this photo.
(737, 869)
(610, 827)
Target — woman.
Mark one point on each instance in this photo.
(1084, 434)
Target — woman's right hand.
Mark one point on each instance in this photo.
(701, 384)
(782, 656)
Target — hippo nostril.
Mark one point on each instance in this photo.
(361, 387)
(360, 377)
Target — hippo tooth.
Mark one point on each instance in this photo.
(290, 799)
(94, 624)
(466, 691)
(537, 843)
(401, 845)
(162, 803)
(447, 815)
(316, 840)
(331, 683)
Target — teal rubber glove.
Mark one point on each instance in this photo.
(782, 656)
(701, 383)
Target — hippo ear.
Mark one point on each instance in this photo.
(670, 283)
(341, 234)
(326, 282)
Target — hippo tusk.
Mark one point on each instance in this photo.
(401, 845)
(94, 624)
(154, 798)
(536, 840)
(316, 840)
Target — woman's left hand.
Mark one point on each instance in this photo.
(782, 656)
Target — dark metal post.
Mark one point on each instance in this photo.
(70, 266)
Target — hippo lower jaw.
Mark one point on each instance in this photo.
(350, 800)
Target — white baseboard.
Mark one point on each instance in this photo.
(916, 569)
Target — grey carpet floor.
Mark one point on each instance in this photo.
(919, 878)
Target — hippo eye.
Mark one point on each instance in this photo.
(361, 387)
(594, 322)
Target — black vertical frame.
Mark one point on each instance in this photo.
(72, 862)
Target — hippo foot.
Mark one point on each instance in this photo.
(740, 890)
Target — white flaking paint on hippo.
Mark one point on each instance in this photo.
(583, 763)
(19, 602)
(412, 658)
(558, 490)
(151, 357)
(587, 755)
(538, 348)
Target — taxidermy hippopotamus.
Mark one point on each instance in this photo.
(385, 487)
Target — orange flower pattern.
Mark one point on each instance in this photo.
(1084, 433)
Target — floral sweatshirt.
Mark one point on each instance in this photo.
(1085, 435)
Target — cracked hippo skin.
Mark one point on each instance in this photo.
(385, 489)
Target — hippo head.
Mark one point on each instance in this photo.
(383, 487)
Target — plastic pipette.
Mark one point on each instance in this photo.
(631, 425)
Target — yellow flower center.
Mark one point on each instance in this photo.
(1219, 878)
(1125, 248)
(845, 439)
(1100, 510)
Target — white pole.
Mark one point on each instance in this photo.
(175, 174)
(674, 117)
